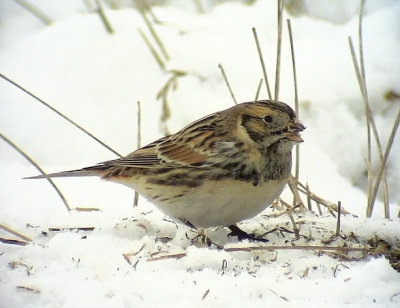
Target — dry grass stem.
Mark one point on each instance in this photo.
(338, 218)
(59, 229)
(293, 185)
(35, 11)
(139, 137)
(86, 209)
(152, 50)
(360, 73)
(62, 115)
(29, 289)
(199, 6)
(103, 17)
(289, 213)
(15, 233)
(296, 97)
(332, 207)
(309, 207)
(205, 294)
(89, 5)
(278, 50)
(170, 85)
(13, 242)
(383, 165)
(258, 89)
(360, 39)
(342, 249)
(282, 297)
(227, 83)
(36, 165)
(153, 33)
(367, 112)
(170, 256)
(262, 62)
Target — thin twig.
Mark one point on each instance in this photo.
(35, 11)
(361, 51)
(293, 183)
(89, 5)
(383, 164)
(338, 218)
(13, 232)
(289, 213)
(13, 242)
(103, 17)
(139, 137)
(28, 158)
(258, 89)
(171, 256)
(367, 113)
(319, 200)
(370, 119)
(309, 207)
(227, 83)
(296, 97)
(61, 115)
(372, 251)
(360, 39)
(152, 50)
(59, 229)
(342, 249)
(278, 50)
(154, 33)
(262, 62)
(199, 6)
(370, 123)
(362, 66)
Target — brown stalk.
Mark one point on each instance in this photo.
(15, 233)
(258, 89)
(152, 50)
(153, 32)
(278, 50)
(62, 115)
(342, 249)
(262, 62)
(36, 165)
(383, 164)
(360, 72)
(227, 83)
(338, 218)
(289, 213)
(296, 98)
(103, 17)
(139, 137)
(332, 207)
(35, 11)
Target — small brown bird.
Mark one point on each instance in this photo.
(217, 171)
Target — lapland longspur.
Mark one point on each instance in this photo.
(217, 171)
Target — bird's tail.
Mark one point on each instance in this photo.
(89, 171)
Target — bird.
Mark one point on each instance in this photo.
(217, 171)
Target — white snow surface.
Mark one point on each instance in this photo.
(96, 78)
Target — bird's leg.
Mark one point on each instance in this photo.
(242, 235)
(188, 223)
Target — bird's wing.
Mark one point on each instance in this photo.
(168, 152)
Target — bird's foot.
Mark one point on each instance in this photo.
(242, 235)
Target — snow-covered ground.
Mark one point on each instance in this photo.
(96, 78)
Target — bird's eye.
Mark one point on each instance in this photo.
(268, 119)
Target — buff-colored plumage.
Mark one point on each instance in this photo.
(216, 171)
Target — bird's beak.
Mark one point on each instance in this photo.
(292, 131)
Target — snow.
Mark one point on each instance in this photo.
(97, 78)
